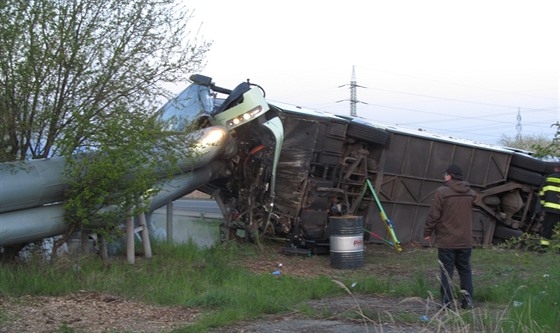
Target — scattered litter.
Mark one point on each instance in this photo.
(353, 285)
(424, 318)
(517, 304)
(276, 273)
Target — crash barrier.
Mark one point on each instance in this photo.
(346, 242)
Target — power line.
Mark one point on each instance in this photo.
(443, 98)
(454, 116)
(500, 91)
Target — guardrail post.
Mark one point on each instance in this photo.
(169, 219)
(145, 236)
(130, 240)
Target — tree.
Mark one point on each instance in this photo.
(67, 67)
(550, 148)
(121, 173)
(82, 79)
(528, 143)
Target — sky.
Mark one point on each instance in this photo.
(466, 69)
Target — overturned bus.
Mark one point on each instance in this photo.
(296, 168)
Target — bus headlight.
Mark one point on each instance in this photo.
(245, 117)
(212, 137)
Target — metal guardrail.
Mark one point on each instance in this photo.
(194, 208)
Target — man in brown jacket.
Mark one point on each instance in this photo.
(450, 221)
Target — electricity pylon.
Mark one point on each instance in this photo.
(353, 95)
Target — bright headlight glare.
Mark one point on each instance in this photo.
(213, 137)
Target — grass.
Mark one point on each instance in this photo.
(523, 286)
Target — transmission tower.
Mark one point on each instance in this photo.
(353, 94)
(518, 126)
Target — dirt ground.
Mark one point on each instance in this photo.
(348, 314)
(95, 313)
(90, 312)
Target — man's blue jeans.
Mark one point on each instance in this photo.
(461, 259)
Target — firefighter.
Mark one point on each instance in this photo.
(549, 196)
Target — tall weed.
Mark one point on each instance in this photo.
(516, 291)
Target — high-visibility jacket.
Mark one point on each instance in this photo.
(550, 193)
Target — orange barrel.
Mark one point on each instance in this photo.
(346, 241)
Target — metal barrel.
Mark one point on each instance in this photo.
(346, 242)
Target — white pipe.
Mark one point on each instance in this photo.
(26, 184)
(23, 226)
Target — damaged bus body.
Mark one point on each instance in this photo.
(295, 168)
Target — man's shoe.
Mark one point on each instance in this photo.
(466, 300)
(447, 306)
(466, 304)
